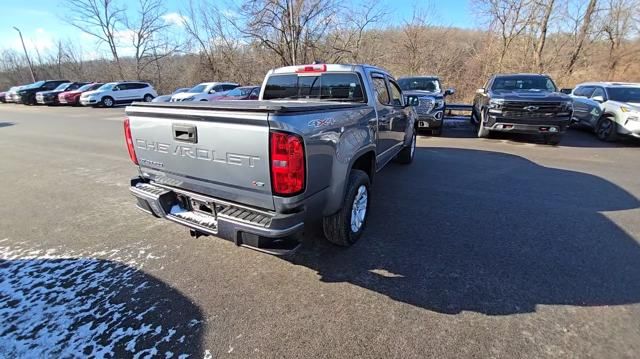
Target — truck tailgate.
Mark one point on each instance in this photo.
(223, 154)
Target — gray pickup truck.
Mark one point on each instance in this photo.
(257, 172)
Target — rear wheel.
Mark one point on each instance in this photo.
(148, 98)
(346, 226)
(607, 129)
(107, 102)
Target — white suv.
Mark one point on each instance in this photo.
(619, 105)
(203, 91)
(113, 93)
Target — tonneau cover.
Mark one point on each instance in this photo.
(274, 106)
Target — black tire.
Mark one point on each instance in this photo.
(607, 129)
(338, 227)
(107, 102)
(406, 154)
(553, 140)
(482, 131)
(147, 98)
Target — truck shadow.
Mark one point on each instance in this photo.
(6, 124)
(85, 307)
(466, 230)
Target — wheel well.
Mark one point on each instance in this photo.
(366, 163)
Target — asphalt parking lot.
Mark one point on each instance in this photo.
(497, 248)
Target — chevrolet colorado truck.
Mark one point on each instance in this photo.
(256, 172)
(522, 103)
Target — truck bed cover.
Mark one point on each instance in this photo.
(271, 106)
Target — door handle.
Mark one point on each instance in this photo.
(185, 133)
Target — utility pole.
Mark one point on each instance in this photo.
(26, 54)
(291, 30)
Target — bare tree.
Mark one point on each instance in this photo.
(292, 30)
(510, 17)
(618, 26)
(547, 7)
(101, 19)
(146, 35)
(582, 34)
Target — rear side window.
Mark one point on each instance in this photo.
(325, 86)
(382, 92)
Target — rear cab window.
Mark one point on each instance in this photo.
(329, 86)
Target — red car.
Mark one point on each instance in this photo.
(239, 93)
(73, 97)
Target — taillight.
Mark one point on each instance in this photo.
(312, 68)
(129, 139)
(287, 164)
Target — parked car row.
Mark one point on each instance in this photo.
(96, 94)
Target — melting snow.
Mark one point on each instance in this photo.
(63, 305)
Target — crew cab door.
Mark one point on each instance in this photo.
(399, 117)
(385, 141)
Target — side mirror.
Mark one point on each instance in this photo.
(116, 88)
(450, 92)
(566, 91)
(480, 91)
(599, 99)
(212, 91)
(413, 100)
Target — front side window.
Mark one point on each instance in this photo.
(382, 92)
(396, 94)
(599, 92)
(584, 91)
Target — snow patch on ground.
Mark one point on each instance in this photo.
(61, 304)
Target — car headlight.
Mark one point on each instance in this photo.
(626, 109)
(439, 103)
(496, 104)
(568, 105)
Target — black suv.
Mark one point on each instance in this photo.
(27, 94)
(522, 103)
(431, 106)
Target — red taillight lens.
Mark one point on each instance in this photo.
(129, 139)
(287, 164)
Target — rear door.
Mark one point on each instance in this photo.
(386, 139)
(217, 153)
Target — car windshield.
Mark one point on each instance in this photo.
(624, 94)
(85, 87)
(107, 87)
(327, 86)
(240, 91)
(523, 83)
(34, 85)
(419, 84)
(199, 88)
(62, 87)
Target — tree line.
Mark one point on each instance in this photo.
(572, 40)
